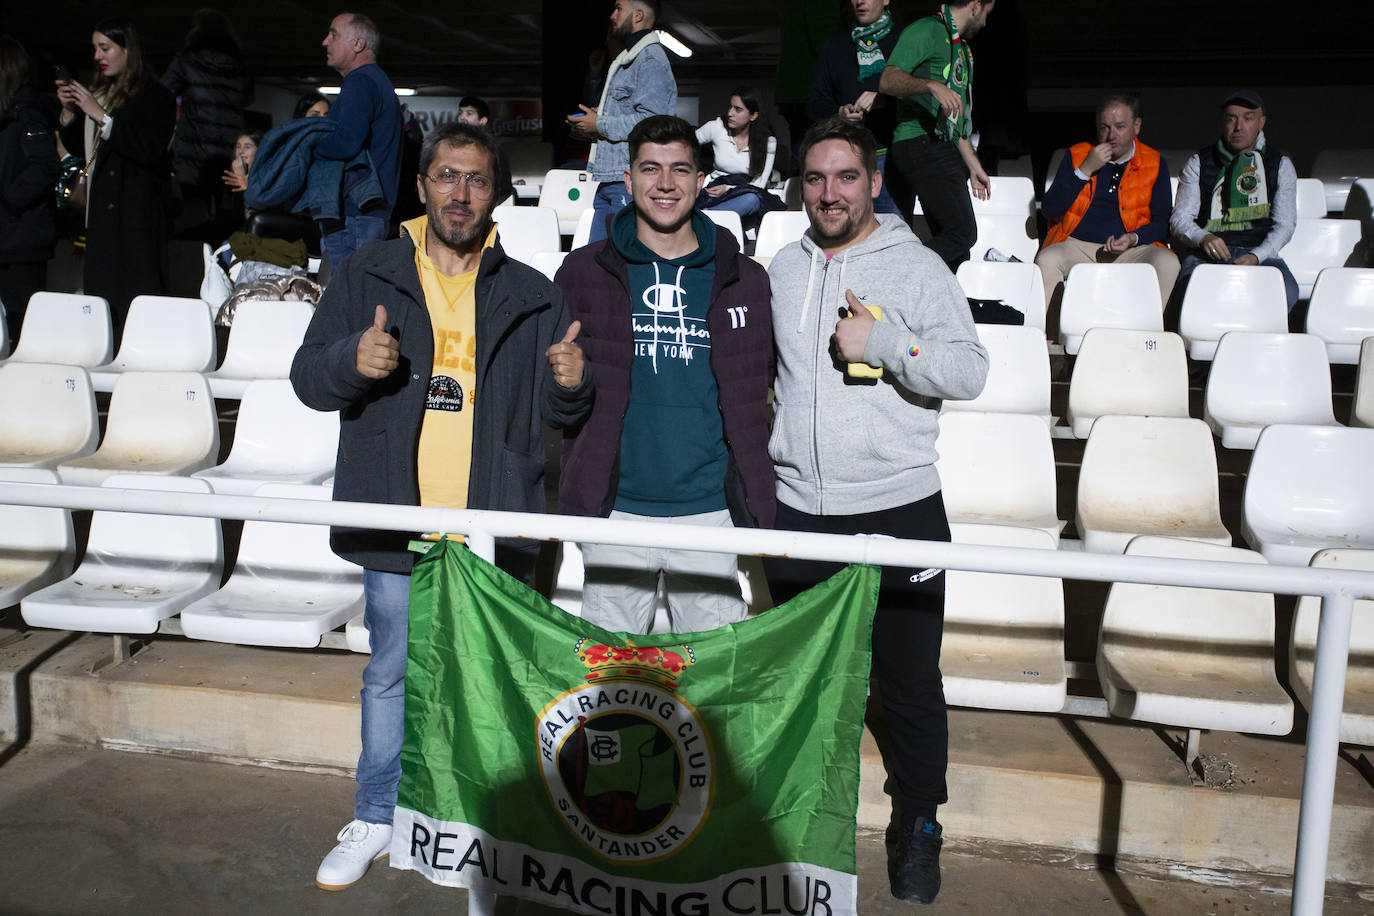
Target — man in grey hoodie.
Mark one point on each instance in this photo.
(857, 402)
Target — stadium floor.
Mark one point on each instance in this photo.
(89, 830)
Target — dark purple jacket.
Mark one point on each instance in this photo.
(595, 283)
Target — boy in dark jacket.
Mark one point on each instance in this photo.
(676, 324)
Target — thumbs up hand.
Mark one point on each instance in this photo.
(565, 358)
(378, 352)
(851, 331)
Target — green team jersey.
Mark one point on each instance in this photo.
(924, 50)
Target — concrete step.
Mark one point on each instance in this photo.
(1078, 786)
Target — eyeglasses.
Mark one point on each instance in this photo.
(479, 185)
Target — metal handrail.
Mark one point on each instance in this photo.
(1338, 589)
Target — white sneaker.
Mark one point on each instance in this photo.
(360, 844)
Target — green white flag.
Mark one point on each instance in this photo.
(667, 775)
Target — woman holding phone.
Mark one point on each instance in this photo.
(124, 124)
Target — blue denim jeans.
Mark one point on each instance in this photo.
(387, 615)
(1290, 283)
(884, 203)
(358, 230)
(610, 199)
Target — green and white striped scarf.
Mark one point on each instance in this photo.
(866, 38)
(1241, 195)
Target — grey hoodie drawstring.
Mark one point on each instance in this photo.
(810, 285)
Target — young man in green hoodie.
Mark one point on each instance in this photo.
(856, 410)
(675, 325)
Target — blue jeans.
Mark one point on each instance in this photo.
(358, 230)
(743, 204)
(611, 197)
(387, 615)
(884, 203)
(1290, 283)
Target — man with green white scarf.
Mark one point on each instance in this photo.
(845, 83)
(1249, 208)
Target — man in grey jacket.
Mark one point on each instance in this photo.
(856, 408)
(639, 83)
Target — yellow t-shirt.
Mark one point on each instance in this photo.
(445, 455)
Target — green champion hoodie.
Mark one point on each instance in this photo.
(673, 458)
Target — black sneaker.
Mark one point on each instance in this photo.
(916, 866)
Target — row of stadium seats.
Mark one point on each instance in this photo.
(1157, 475)
(1182, 657)
(161, 334)
(160, 423)
(1006, 221)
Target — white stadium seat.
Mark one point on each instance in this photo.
(47, 414)
(277, 439)
(1109, 296)
(288, 587)
(1010, 233)
(1357, 713)
(1056, 158)
(568, 192)
(138, 568)
(1018, 373)
(161, 334)
(65, 328)
(356, 636)
(1341, 312)
(1362, 411)
(1016, 285)
(778, 229)
(728, 219)
(547, 262)
(1311, 199)
(1261, 379)
(1148, 475)
(1006, 220)
(159, 423)
(1337, 169)
(1308, 488)
(1003, 645)
(1192, 657)
(262, 343)
(1318, 244)
(998, 469)
(1127, 373)
(582, 231)
(1224, 297)
(37, 543)
(526, 230)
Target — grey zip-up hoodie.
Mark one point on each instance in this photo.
(844, 446)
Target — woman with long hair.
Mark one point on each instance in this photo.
(28, 169)
(124, 123)
(744, 149)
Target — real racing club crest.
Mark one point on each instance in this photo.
(626, 761)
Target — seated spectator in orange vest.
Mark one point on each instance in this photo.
(1109, 202)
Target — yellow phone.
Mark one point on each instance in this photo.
(864, 370)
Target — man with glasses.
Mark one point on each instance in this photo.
(1110, 201)
(444, 358)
